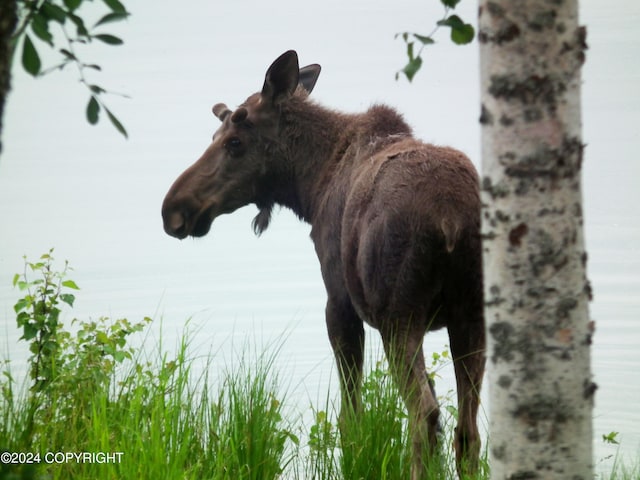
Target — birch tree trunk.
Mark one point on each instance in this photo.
(536, 290)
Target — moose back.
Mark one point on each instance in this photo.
(395, 223)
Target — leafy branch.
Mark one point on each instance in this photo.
(37, 19)
(461, 34)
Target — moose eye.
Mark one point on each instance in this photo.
(233, 145)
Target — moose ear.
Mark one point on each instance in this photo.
(282, 77)
(221, 111)
(309, 76)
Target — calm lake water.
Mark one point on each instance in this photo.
(96, 197)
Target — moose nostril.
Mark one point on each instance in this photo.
(175, 225)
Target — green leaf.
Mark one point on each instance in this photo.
(102, 338)
(112, 17)
(30, 58)
(68, 298)
(453, 21)
(22, 319)
(70, 284)
(108, 39)
(461, 33)
(116, 123)
(450, 3)
(410, 51)
(72, 4)
(53, 12)
(93, 110)
(40, 26)
(611, 438)
(79, 23)
(16, 277)
(115, 6)
(412, 67)
(69, 55)
(424, 39)
(119, 356)
(453, 411)
(30, 331)
(21, 304)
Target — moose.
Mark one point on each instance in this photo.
(395, 224)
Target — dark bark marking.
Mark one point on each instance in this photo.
(589, 389)
(564, 307)
(524, 475)
(495, 299)
(503, 333)
(506, 121)
(508, 32)
(532, 89)
(508, 343)
(516, 234)
(542, 408)
(581, 36)
(486, 117)
(543, 21)
(496, 191)
(547, 254)
(495, 9)
(498, 452)
(505, 381)
(532, 114)
(588, 290)
(564, 162)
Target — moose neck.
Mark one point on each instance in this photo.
(317, 143)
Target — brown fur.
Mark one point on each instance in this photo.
(395, 223)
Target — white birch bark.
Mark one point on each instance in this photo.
(536, 290)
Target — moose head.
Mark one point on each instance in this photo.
(237, 167)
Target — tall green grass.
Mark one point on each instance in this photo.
(183, 417)
(173, 423)
(148, 414)
(166, 422)
(88, 390)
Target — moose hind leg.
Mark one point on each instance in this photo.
(406, 359)
(467, 348)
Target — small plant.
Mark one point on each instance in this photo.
(66, 370)
(38, 314)
(323, 444)
(322, 434)
(86, 359)
(611, 438)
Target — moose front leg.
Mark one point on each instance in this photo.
(346, 334)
